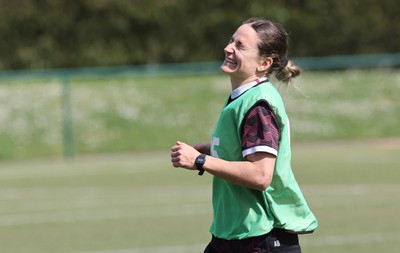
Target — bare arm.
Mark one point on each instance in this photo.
(204, 148)
(255, 173)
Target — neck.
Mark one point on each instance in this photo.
(235, 83)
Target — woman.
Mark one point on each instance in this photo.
(258, 205)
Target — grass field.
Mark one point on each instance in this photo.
(119, 196)
(136, 113)
(139, 203)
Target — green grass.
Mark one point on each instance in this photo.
(120, 193)
(136, 113)
(346, 104)
(137, 202)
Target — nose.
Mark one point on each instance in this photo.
(229, 48)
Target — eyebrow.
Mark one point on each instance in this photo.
(238, 42)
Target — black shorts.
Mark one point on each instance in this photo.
(276, 241)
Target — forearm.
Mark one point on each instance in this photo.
(255, 174)
(204, 148)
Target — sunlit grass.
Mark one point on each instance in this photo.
(150, 113)
(113, 203)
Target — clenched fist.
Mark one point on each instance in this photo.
(184, 156)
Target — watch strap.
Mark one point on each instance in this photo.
(200, 160)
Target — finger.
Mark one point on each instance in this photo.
(175, 154)
(180, 143)
(176, 163)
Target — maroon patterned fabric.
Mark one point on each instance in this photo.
(260, 128)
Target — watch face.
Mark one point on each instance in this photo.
(200, 160)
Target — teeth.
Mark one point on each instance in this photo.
(230, 61)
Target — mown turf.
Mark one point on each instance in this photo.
(137, 202)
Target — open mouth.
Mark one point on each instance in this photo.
(230, 61)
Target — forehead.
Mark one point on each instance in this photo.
(246, 35)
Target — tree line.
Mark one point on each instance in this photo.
(62, 34)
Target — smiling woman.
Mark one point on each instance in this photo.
(264, 43)
(258, 205)
(241, 57)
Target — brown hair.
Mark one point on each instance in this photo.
(273, 43)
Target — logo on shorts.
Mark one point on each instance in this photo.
(277, 243)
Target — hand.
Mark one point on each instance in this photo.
(184, 156)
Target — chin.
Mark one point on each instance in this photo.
(226, 69)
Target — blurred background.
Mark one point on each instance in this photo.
(93, 94)
(59, 34)
(98, 46)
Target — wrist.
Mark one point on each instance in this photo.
(199, 162)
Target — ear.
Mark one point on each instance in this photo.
(264, 64)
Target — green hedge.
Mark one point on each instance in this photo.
(58, 34)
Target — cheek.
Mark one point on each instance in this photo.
(250, 59)
(249, 65)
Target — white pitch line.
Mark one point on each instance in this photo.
(323, 241)
(104, 214)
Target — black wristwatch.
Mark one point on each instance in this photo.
(200, 160)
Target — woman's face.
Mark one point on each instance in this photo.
(242, 56)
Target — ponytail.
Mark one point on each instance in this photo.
(288, 72)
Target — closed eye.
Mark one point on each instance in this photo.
(238, 44)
